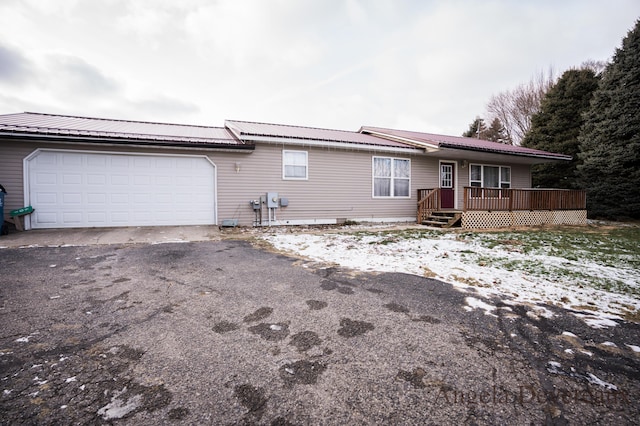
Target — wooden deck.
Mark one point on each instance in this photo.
(503, 199)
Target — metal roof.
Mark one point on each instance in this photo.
(245, 130)
(29, 124)
(430, 140)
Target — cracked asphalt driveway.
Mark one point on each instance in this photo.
(226, 333)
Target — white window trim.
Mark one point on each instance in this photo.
(373, 178)
(306, 165)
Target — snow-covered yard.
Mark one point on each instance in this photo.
(594, 273)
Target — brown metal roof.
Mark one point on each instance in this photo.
(462, 143)
(245, 130)
(29, 124)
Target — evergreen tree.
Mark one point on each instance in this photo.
(479, 130)
(497, 132)
(556, 127)
(476, 129)
(610, 137)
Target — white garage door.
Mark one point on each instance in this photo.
(81, 189)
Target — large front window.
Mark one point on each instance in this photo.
(483, 176)
(391, 177)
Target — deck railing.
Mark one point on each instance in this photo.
(523, 199)
(428, 202)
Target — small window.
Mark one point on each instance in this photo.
(295, 165)
(391, 177)
(476, 175)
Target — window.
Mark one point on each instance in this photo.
(489, 176)
(391, 177)
(295, 165)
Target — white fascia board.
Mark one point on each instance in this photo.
(332, 144)
(427, 146)
(107, 143)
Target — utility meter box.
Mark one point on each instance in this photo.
(272, 200)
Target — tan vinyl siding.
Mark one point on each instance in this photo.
(11, 173)
(339, 184)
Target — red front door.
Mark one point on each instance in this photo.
(447, 185)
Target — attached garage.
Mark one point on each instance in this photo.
(75, 189)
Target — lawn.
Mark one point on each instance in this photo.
(593, 270)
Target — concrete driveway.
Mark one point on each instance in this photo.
(224, 331)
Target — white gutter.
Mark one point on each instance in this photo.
(426, 146)
(332, 144)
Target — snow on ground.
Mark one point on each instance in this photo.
(467, 264)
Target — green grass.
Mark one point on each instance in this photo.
(573, 249)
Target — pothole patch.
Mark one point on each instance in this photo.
(259, 314)
(302, 372)
(252, 398)
(316, 305)
(352, 328)
(305, 340)
(225, 327)
(271, 332)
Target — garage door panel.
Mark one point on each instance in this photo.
(73, 218)
(76, 189)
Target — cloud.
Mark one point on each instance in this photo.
(76, 77)
(15, 68)
(161, 107)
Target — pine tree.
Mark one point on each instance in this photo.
(476, 129)
(497, 132)
(479, 130)
(556, 127)
(610, 137)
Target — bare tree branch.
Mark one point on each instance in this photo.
(514, 108)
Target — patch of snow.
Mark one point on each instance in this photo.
(610, 344)
(24, 339)
(633, 347)
(7, 392)
(39, 381)
(275, 327)
(459, 261)
(597, 322)
(569, 351)
(586, 352)
(54, 297)
(71, 379)
(479, 304)
(554, 367)
(52, 266)
(568, 333)
(169, 242)
(118, 408)
(596, 381)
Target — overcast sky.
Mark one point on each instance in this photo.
(417, 65)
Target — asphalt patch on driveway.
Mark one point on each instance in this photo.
(224, 333)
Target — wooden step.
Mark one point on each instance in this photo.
(443, 219)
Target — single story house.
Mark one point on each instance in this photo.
(94, 172)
